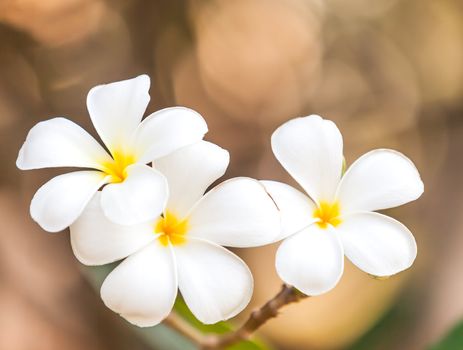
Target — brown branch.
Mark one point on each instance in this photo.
(258, 318)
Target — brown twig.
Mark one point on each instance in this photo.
(258, 317)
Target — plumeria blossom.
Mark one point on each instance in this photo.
(133, 192)
(182, 248)
(337, 217)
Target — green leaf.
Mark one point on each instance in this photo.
(452, 341)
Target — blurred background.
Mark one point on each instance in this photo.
(388, 72)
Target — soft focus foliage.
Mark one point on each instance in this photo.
(453, 340)
(388, 72)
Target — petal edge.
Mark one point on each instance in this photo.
(215, 293)
(311, 260)
(310, 149)
(379, 179)
(377, 244)
(51, 211)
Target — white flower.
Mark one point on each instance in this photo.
(134, 192)
(183, 247)
(339, 217)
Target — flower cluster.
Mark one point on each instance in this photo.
(144, 202)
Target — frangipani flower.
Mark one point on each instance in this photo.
(134, 192)
(339, 216)
(183, 247)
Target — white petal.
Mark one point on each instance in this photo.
(377, 244)
(311, 260)
(190, 171)
(58, 142)
(236, 213)
(166, 131)
(142, 196)
(143, 288)
(116, 110)
(310, 149)
(296, 209)
(215, 283)
(60, 201)
(97, 241)
(379, 179)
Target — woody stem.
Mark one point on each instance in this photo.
(257, 318)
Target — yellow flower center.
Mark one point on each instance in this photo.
(327, 213)
(171, 229)
(116, 168)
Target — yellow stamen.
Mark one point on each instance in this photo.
(116, 168)
(327, 213)
(171, 229)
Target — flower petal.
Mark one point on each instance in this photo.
(379, 179)
(58, 142)
(296, 209)
(190, 171)
(215, 283)
(116, 110)
(236, 213)
(60, 201)
(377, 244)
(310, 149)
(166, 131)
(97, 241)
(142, 196)
(143, 288)
(311, 260)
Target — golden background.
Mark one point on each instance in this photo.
(388, 72)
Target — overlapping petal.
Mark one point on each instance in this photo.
(377, 244)
(236, 213)
(60, 201)
(166, 131)
(58, 142)
(294, 206)
(116, 110)
(190, 171)
(143, 288)
(215, 283)
(96, 240)
(311, 260)
(310, 149)
(379, 179)
(141, 197)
